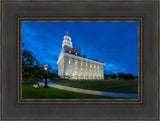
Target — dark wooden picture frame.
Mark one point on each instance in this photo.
(15, 108)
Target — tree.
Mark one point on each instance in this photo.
(31, 69)
(105, 76)
(30, 65)
(121, 76)
(129, 76)
(29, 58)
(112, 76)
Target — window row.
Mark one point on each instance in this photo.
(70, 52)
(69, 62)
(86, 69)
(86, 74)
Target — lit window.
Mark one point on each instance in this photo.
(76, 68)
(75, 53)
(69, 73)
(94, 67)
(81, 74)
(86, 74)
(86, 65)
(75, 73)
(81, 69)
(86, 70)
(75, 63)
(98, 67)
(90, 66)
(69, 51)
(69, 62)
(81, 64)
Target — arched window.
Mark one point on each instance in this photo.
(69, 62)
(98, 67)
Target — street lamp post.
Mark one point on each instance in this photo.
(46, 69)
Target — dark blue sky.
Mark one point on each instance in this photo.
(114, 43)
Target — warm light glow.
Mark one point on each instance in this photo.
(81, 74)
(69, 73)
(98, 67)
(86, 70)
(86, 65)
(69, 62)
(75, 53)
(69, 51)
(94, 66)
(86, 74)
(75, 73)
(75, 63)
(90, 66)
(45, 68)
(76, 68)
(81, 64)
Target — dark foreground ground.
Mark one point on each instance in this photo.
(125, 86)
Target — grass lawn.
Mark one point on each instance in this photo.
(125, 86)
(29, 92)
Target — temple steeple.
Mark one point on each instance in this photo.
(67, 41)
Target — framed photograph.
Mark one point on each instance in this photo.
(58, 70)
(69, 61)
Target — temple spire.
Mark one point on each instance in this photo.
(67, 40)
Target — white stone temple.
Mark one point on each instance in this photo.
(72, 65)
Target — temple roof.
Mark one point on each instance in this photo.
(68, 48)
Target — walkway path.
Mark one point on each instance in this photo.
(93, 92)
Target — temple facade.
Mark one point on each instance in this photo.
(72, 65)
